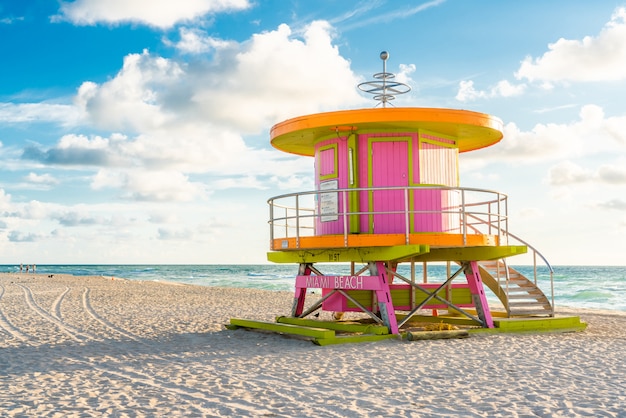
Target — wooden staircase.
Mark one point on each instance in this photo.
(519, 295)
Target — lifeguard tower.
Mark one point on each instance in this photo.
(387, 194)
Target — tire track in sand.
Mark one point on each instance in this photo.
(92, 312)
(56, 306)
(8, 326)
(67, 329)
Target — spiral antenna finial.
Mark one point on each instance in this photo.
(384, 88)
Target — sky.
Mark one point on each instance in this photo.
(140, 135)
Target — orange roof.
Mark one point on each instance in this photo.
(473, 130)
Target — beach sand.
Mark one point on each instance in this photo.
(97, 346)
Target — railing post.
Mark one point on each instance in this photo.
(345, 218)
(271, 224)
(498, 229)
(297, 221)
(406, 216)
(286, 222)
(552, 289)
(507, 278)
(489, 220)
(499, 196)
(464, 213)
(535, 266)
(506, 219)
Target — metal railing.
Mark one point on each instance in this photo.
(296, 215)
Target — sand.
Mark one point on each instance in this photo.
(97, 346)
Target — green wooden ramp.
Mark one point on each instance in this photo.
(320, 332)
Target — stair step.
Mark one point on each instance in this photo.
(526, 289)
(526, 296)
(534, 308)
(530, 312)
(520, 280)
(518, 290)
(522, 304)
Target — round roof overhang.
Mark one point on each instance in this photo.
(472, 130)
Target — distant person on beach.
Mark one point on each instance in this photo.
(26, 268)
(21, 267)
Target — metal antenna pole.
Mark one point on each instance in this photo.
(383, 89)
(383, 56)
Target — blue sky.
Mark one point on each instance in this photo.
(134, 134)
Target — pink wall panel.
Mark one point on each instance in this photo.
(436, 210)
(327, 161)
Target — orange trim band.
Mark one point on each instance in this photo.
(383, 240)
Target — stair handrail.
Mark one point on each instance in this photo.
(535, 251)
(535, 254)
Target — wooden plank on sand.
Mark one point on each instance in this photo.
(335, 325)
(284, 328)
(436, 335)
(348, 339)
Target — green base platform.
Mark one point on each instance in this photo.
(342, 332)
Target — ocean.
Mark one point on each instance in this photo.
(597, 287)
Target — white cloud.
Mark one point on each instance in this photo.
(294, 182)
(617, 204)
(161, 217)
(612, 174)
(133, 100)
(196, 41)
(554, 108)
(5, 200)
(599, 58)
(404, 76)
(43, 179)
(239, 182)
(80, 150)
(16, 236)
(158, 13)
(34, 210)
(567, 173)
(593, 133)
(145, 185)
(11, 20)
(467, 92)
(75, 218)
(175, 235)
(64, 114)
(505, 89)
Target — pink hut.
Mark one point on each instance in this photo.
(388, 192)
